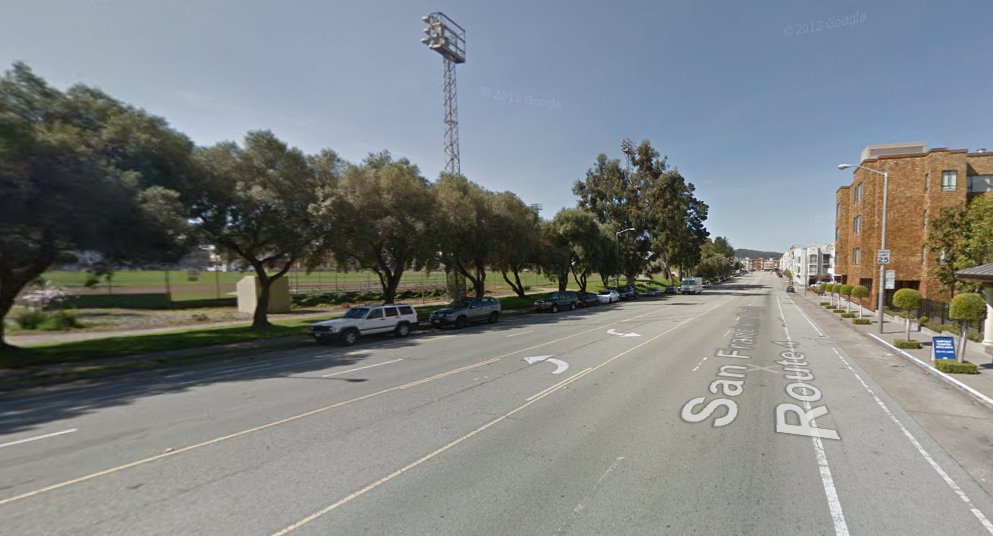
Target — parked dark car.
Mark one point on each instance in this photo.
(670, 289)
(587, 299)
(628, 292)
(565, 299)
(467, 310)
(653, 291)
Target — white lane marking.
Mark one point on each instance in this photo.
(589, 496)
(36, 438)
(535, 358)
(361, 368)
(927, 457)
(698, 365)
(422, 340)
(930, 368)
(834, 504)
(521, 333)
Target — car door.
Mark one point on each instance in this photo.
(376, 321)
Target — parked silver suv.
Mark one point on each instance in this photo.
(366, 320)
(466, 310)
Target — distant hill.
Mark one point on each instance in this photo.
(754, 254)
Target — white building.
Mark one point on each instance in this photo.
(810, 264)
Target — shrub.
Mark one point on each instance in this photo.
(952, 328)
(839, 311)
(861, 321)
(61, 320)
(30, 318)
(953, 367)
(975, 336)
(906, 344)
(848, 315)
(825, 304)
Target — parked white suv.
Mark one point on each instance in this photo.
(366, 320)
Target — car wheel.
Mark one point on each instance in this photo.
(494, 316)
(350, 337)
(572, 306)
(555, 308)
(402, 330)
(460, 322)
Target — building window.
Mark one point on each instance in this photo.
(980, 184)
(835, 234)
(857, 256)
(858, 193)
(924, 255)
(857, 224)
(837, 211)
(927, 181)
(925, 220)
(949, 180)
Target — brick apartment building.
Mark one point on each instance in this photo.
(921, 184)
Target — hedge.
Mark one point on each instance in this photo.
(954, 367)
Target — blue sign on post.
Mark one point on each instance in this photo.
(943, 347)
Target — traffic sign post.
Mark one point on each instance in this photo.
(882, 256)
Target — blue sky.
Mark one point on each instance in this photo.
(755, 102)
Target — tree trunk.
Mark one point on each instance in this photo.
(563, 281)
(13, 281)
(6, 303)
(963, 338)
(515, 285)
(390, 282)
(260, 319)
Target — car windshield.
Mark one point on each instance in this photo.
(460, 303)
(357, 312)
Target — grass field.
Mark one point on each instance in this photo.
(207, 285)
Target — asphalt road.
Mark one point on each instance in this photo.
(732, 412)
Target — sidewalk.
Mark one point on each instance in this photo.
(979, 386)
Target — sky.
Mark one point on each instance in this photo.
(756, 103)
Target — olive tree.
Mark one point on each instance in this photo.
(909, 300)
(966, 307)
(255, 203)
(379, 216)
(82, 171)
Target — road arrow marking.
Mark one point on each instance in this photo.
(612, 332)
(560, 366)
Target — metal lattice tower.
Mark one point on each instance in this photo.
(447, 38)
(452, 163)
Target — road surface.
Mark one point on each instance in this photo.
(732, 412)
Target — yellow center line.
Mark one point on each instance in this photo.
(369, 487)
(293, 418)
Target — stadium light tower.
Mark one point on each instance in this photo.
(447, 38)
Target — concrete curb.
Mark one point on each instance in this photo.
(980, 397)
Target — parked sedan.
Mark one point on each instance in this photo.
(587, 299)
(670, 289)
(608, 296)
(653, 291)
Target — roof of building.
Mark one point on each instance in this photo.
(983, 272)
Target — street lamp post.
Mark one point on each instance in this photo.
(882, 241)
(617, 278)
